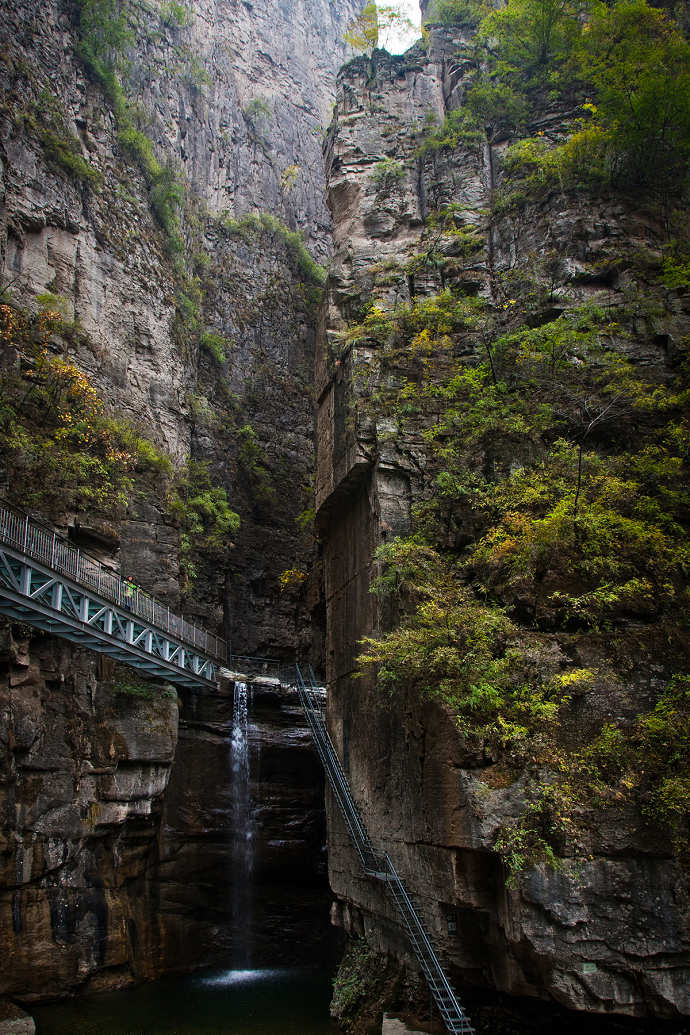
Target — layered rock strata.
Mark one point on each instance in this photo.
(610, 935)
(228, 101)
(87, 752)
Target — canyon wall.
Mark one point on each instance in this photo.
(155, 161)
(607, 932)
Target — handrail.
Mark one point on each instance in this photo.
(380, 866)
(43, 544)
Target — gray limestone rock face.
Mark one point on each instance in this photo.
(608, 933)
(232, 97)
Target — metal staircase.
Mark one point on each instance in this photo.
(378, 864)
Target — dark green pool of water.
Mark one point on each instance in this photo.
(218, 1002)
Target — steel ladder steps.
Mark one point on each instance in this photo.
(379, 865)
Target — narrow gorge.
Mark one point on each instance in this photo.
(377, 364)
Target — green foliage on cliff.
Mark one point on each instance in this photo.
(386, 174)
(356, 978)
(59, 442)
(217, 346)
(205, 517)
(46, 120)
(105, 33)
(451, 645)
(457, 12)
(64, 450)
(557, 502)
(174, 14)
(249, 226)
(626, 64)
(647, 763)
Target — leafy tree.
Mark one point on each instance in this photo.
(373, 25)
(529, 36)
(456, 12)
(363, 31)
(637, 63)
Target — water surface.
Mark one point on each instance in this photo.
(276, 1001)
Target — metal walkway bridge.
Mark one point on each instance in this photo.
(378, 865)
(50, 584)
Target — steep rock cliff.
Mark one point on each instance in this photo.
(87, 751)
(608, 933)
(155, 160)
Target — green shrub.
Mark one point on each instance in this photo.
(357, 973)
(387, 174)
(459, 127)
(217, 346)
(257, 108)
(174, 14)
(105, 33)
(456, 12)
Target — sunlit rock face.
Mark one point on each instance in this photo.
(610, 934)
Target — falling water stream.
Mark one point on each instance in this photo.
(242, 830)
(247, 999)
(244, 999)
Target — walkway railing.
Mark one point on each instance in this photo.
(44, 545)
(272, 668)
(378, 864)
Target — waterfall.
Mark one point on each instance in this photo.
(242, 830)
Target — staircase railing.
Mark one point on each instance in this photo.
(378, 864)
(44, 545)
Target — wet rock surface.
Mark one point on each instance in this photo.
(86, 761)
(14, 1020)
(215, 903)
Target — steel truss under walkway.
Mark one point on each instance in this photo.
(378, 865)
(47, 583)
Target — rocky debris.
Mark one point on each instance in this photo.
(14, 1020)
(394, 1026)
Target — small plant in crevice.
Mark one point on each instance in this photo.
(386, 175)
(174, 14)
(217, 346)
(256, 223)
(252, 459)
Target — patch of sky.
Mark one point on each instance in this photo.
(402, 33)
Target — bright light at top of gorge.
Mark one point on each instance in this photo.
(398, 38)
